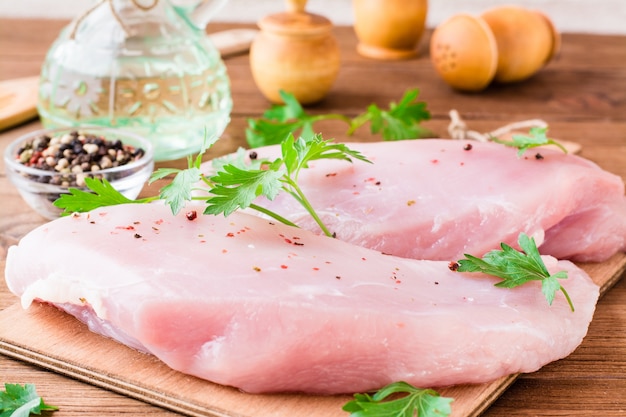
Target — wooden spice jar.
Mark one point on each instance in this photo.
(389, 29)
(296, 52)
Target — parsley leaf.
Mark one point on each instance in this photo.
(298, 153)
(401, 121)
(102, 194)
(537, 136)
(179, 190)
(281, 120)
(235, 186)
(417, 402)
(517, 267)
(21, 400)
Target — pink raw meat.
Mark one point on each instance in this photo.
(269, 308)
(436, 199)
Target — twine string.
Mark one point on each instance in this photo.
(458, 128)
(116, 16)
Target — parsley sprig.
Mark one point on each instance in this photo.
(537, 136)
(180, 189)
(517, 267)
(21, 400)
(401, 121)
(234, 186)
(101, 194)
(237, 188)
(417, 402)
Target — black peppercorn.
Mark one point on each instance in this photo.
(71, 155)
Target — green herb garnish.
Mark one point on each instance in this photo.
(417, 402)
(401, 121)
(180, 190)
(234, 186)
(21, 400)
(516, 268)
(102, 194)
(537, 136)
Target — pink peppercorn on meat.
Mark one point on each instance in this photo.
(439, 199)
(265, 307)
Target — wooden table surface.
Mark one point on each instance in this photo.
(582, 95)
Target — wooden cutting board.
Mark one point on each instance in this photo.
(18, 101)
(49, 338)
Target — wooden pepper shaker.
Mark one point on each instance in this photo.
(295, 51)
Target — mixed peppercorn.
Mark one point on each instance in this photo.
(74, 156)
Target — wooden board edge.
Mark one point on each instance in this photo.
(607, 285)
(496, 391)
(617, 267)
(104, 381)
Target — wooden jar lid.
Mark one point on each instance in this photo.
(296, 24)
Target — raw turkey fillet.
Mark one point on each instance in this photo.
(265, 307)
(435, 199)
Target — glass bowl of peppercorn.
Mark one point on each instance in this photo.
(46, 163)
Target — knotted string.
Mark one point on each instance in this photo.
(116, 16)
(458, 128)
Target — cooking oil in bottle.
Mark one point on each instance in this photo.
(143, 69)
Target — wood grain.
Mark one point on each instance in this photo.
(582, 95)
(18, 99)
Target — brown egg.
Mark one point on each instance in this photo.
(556, 36)
(464, 52)
(526, 39)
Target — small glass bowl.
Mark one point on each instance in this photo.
(37, 188)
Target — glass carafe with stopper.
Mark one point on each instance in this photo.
(145, 66)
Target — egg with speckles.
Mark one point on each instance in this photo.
(527, 40)
(505, 44)
(464, 52)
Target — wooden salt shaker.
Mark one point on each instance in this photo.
(295, 51)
